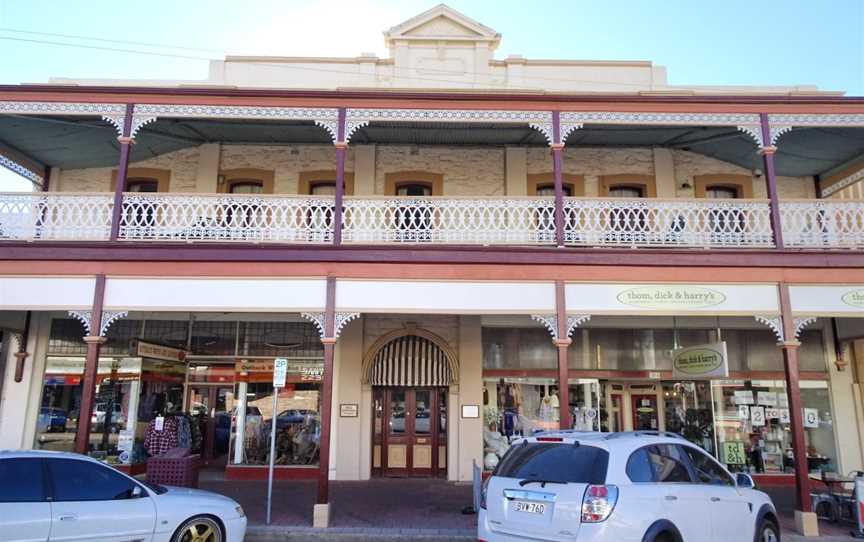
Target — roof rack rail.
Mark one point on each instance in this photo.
(645, 433)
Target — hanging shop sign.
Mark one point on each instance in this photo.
(734, 452)
(704, 361)
(157, 351)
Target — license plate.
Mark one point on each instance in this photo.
(529, 507)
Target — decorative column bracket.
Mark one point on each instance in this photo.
(550, 321)
(340, 320)
(108, 318)
(775, 323)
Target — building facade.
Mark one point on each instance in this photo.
(449, 250)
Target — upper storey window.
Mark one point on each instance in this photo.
(246, 186)
(721, 192)
(323, 188)
(142, 185)
(623, 191)
(413, 189)
(549, 190)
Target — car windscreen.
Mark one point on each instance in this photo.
(554, 461)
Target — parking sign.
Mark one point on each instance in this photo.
(280, 372)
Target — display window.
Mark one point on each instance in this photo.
(297, 413)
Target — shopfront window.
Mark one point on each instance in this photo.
(753, 426)
(297, 413)
(689, 412)
(514, 407)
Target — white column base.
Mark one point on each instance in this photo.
(806, 523)
(321, 516)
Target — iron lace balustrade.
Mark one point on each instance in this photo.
(449, 220)
(822, 223)
(31, 216)
(647, 222)
(226, 217)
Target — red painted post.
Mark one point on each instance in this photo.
(767, 151)
(557, 153)
(329, 341)
(120, 185)
(91, 368)
(793, 391)
(341, 149)
(562, 343)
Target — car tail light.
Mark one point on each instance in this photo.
(550, 439)
(598, 503)
(483, 487)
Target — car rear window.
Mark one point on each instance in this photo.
(560, 462)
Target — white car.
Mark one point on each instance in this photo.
(62, 496)
(642, 487)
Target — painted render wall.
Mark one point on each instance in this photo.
(477, 171)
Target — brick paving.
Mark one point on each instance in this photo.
(401, 509)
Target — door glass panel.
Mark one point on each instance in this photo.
(199, 402)
(397, 412)
(645, 413)
(442, 412)
(378, 413)
(423, 412)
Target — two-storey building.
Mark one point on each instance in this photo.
(448, 248)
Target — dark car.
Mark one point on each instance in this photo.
(294, 416)
(52, 420)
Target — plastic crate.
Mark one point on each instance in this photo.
(174, 471)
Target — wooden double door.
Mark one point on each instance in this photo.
(409, 434)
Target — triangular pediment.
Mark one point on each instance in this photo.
(442, 22)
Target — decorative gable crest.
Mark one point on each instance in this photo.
(441, 23)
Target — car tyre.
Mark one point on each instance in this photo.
(768, 531)
(199, 529)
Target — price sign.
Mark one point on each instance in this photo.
(280, 372)
(744, 412)
(757, 416)
(733, 452)
(772, 413)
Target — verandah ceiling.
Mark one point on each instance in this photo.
(75, 142)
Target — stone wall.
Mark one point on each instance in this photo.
(467, 171)
(286, 162)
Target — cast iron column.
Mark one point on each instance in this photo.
(557, 152)
(91, 369)
(767, 151)
(341, 148)
(120, 185)
(790, 365)
(562, 342)
(329, 341)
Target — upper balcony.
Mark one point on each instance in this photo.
(433, 177)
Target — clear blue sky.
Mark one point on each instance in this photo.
(728, 42)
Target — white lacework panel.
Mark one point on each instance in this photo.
(64, 217)
(435, 220)
(686, 223)
(821, 223)
(175, 217)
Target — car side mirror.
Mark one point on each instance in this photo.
(744, 480)
(137, 492)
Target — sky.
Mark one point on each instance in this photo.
(728, 42)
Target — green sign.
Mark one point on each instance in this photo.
(854, 298)
(733, 452)
(665, 297)
(704, 361)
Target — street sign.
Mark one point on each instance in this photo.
(280, 372)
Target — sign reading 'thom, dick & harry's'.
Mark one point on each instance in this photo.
(704, 361)
(671, 297)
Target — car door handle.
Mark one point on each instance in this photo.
(715, 499)
(671, 498)
(68, 518)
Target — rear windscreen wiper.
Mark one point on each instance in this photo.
(540, 481)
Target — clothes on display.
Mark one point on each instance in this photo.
(168, 432)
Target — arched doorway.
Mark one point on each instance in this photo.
(410, 372)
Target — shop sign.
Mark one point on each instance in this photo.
(349, 410)
(784, 416)
(75, 366)
(665, 297)
(156, 351)
(767, 398)
(855, 298)
(734, 453)
(744, 412)
(704, 361)
(772, 413)
(743, 397)
(295, 370)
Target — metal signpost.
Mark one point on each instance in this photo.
(859, 507)
(280, 371)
